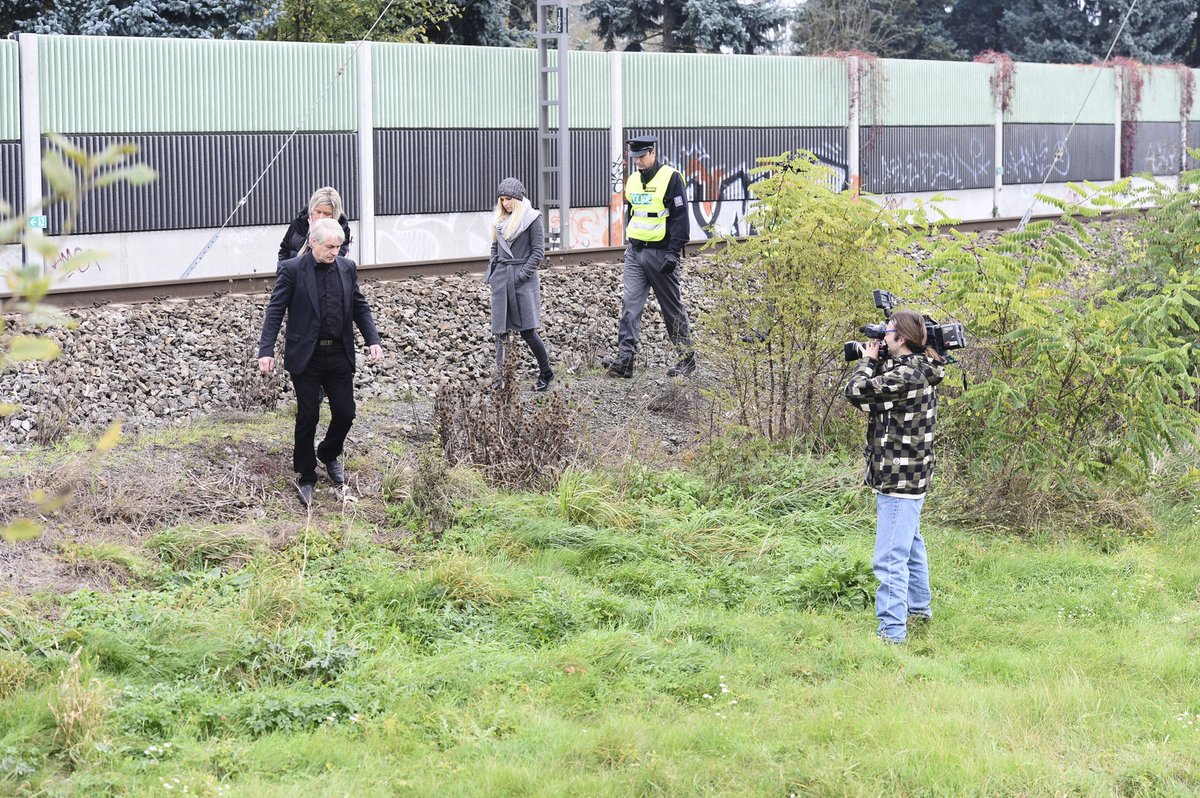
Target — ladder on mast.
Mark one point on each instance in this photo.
(554, 132)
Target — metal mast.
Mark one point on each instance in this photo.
(554, 132)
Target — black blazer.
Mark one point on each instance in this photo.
(295, 293)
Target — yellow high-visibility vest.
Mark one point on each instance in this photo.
(648, 217)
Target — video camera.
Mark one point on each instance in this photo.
(942, 337)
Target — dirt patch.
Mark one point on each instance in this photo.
(233, 470)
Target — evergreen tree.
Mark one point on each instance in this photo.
(15, 15)
(489, 23)
(1069, 31)
(740, 26)
(1076, 31)
(195, 19)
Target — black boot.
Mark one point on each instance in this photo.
(618, 366)
(544, 379)
(684, 367)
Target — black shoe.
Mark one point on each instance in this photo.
(305, 489)
(684, 367)
(618, 367)
(336, 473)
(544, 380)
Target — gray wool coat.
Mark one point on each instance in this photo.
(513, 276)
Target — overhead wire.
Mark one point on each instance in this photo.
(1062, 147)
(286, 143)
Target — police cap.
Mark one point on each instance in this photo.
(640, 145)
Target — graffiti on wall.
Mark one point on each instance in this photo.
(67, 254)
(1028, 160)
(916, 168)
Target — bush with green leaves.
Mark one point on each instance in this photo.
(785, 300)
(1079, 374)
(71, 173)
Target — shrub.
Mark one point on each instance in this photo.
(1073, 378)
(786, 299)
(515, 441)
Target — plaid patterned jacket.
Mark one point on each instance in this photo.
(902, 403)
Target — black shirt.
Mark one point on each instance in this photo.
(329, 299)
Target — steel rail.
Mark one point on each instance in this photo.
(131, 293)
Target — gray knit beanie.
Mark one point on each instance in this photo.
(511, 187)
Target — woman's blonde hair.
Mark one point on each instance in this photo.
(326, 195)
(514, 219)
(910, 326)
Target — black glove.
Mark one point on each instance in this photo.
(670, 262)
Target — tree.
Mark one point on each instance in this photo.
(887, 28)
(1066, 31)
(15, 15)
(192, 19)
(487, 23)
(1077, 31)
(349, 20)
(689, 26)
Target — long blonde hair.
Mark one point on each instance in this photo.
(514, 219)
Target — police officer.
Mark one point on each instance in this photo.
(656, 226)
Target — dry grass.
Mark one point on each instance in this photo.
(79, 705)
(517, 442)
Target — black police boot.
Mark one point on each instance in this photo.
(618, 367)
(684, 367)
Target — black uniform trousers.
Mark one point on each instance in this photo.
(331, 371)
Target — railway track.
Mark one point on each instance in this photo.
(194, 289)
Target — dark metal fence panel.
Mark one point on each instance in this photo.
(904, 159)
(457, 170)
(202, 176)
(1155, 148)
(1193, 143)
(10, 174)
(717, 160)
(1029, 151)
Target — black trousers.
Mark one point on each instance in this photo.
(330, 370)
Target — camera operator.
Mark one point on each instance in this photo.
(899, 393)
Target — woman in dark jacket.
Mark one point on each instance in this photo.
(512, 273)
(900, 394)
(325, 203)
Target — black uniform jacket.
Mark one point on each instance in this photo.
(295, 294)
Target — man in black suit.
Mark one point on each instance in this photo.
(318, 291)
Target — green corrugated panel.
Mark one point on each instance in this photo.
(918, 93)
(99, 84)
(687, 90)
(590, 107)
(1161, 95)
(10, 93)
(438, 86)
(1052, 94)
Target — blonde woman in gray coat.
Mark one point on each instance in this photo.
(517, 250)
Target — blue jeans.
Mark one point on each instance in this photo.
(900, 565)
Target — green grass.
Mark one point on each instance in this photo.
(638, 633)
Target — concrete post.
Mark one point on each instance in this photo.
(998, 145)
(31, 136)
(366, 156)
(853, 174)
(616, 151)
(1117, 124)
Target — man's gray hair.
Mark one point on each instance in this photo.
(324, 229)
